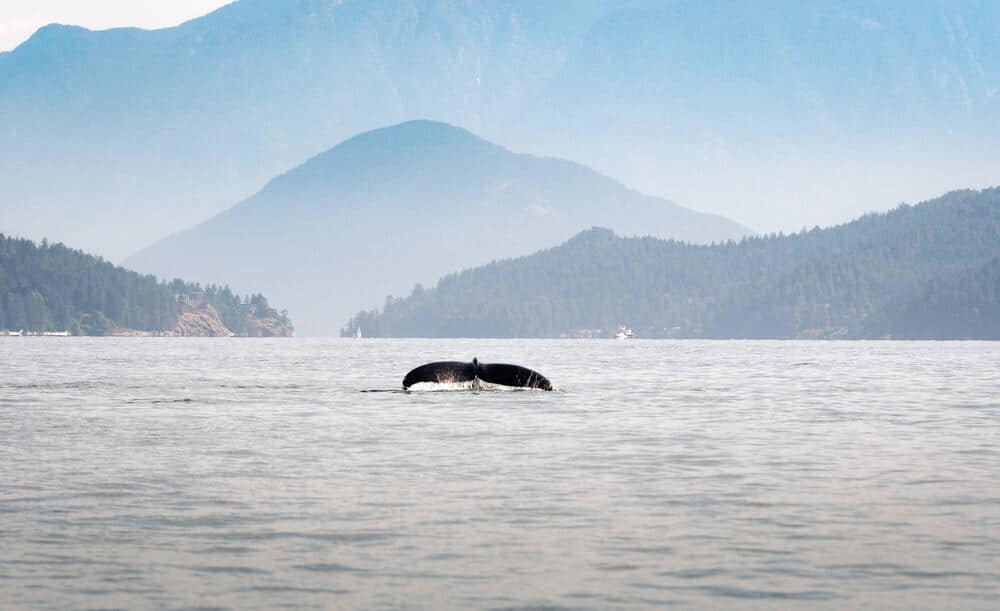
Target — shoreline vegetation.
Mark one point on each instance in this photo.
(55, 291)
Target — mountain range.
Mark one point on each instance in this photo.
(930, 271)
(112, 139)
(402, 205)
(779, 115)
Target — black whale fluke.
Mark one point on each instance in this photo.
(448, 372)
(444, 372)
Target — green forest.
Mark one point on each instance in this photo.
(930, 271)
(50, 287)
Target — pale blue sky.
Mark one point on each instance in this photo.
(20, 18)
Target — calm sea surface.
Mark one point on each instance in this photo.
(177, 473)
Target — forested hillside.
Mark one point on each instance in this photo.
(54, 288)
(927, 271)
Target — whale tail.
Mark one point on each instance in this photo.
(514, 376)
(443, 372)
(453, 372)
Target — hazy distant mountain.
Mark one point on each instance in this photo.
(927, 271)
(775, 113)
(406, 204)
(118, 137)
(783, 114)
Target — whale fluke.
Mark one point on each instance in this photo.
(442, 372)
(513, 375)
(451, 372)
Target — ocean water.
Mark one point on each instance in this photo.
(186, 473)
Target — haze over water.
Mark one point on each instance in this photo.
(257, 474)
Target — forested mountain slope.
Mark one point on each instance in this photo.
(925, 271)
(54, 288)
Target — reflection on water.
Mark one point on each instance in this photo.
(246, 473)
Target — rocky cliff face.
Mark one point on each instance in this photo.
(202, 323)
(272, 327)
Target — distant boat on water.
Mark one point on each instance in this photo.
(624, 333)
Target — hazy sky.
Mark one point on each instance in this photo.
(20, 18)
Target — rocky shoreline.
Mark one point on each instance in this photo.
(206, 322)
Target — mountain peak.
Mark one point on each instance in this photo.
(435, 147)
(594, 235)
(53, 36)
(419, 133)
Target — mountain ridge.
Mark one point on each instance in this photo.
(113, 139)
